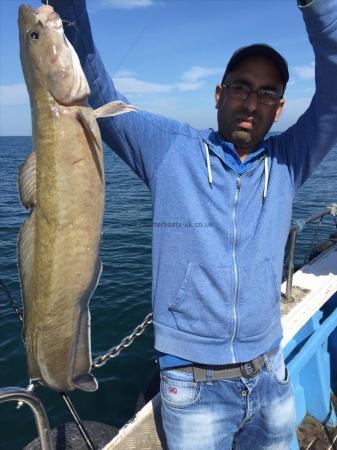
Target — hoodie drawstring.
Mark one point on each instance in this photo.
(266, 171)
(208, 161)
(266, 177)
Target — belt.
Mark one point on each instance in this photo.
(250, 369)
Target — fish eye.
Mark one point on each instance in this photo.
(34, 35)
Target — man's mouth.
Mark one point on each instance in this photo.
(246, 124)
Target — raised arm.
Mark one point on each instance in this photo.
(141, 139)
(305, 144)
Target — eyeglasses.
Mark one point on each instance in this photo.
(240, 91)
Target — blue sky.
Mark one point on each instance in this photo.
(167, 56)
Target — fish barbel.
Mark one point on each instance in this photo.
(62, 183)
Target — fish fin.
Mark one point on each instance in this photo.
(82, 357)
(86, 382)
(85, 121)
(25, 251)
(114, 109)
(27, 181)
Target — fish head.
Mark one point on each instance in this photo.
(48, 59)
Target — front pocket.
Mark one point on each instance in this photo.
(279, 368)
(203, 303)
(258, 303)
(178, 390)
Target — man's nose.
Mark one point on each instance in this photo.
(251, 102)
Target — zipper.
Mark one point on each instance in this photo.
(236, 275)
(236, 280)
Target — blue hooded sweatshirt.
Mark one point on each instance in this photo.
(218, 237)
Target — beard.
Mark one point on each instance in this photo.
(241, 137)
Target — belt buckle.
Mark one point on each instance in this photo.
(251, 372)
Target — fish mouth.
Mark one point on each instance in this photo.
(46, 15)
(43, 15)
(26, 13)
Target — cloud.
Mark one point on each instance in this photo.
(195, 77)
(174, 106)
(127, 4)
(132, 85)
(195, 73)
(191, 86)
(191, 80)
(305, 71)
(122, 73)
(13, 94)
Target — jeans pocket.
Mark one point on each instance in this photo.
(178, 389)
(279, 368)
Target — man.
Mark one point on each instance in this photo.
(216, 283)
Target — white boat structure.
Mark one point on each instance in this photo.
(309, 319)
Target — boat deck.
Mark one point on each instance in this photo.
(312, 435)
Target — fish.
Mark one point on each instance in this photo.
(61, 184)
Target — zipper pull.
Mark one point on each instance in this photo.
(238, 183)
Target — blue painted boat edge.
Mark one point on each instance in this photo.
(311, 357)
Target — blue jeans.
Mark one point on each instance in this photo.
(240, 413)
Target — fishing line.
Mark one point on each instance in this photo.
(68, 23)
(132, 46)
(64, 396)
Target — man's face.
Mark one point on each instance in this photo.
(246, 122)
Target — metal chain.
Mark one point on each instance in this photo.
(125, 343)
(114, 351)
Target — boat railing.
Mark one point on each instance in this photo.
(41, 419)
(296, 228)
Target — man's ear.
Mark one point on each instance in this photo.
(279, 109)
(218, 94)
